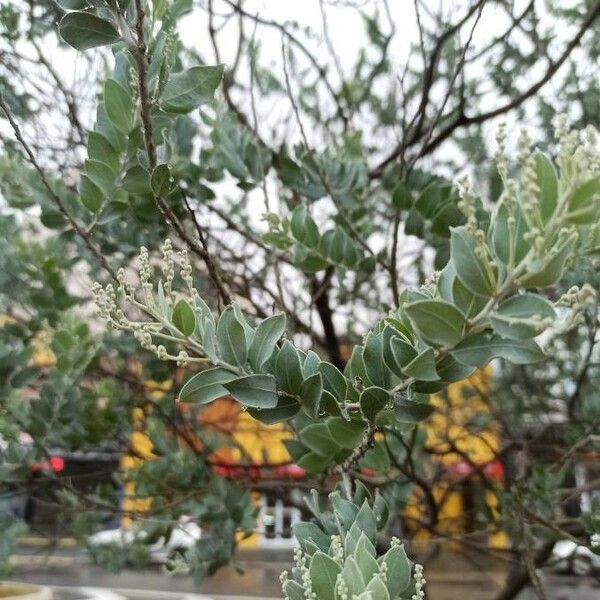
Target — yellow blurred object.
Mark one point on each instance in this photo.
(462, 421)
(42, 354)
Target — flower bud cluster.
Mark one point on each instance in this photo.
(530, 189)
(468, 206)
(168, 267)
(337, 550)
(419, 583)
(301, 560)
(500, 157)
(567, 142)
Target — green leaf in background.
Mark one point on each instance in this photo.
(287, 407)
(119, 105)
(231, 338)
(510, 318)
(90, 193)
(411, 411)
(397, 563)
(550, 269)
(398, 354)
(323, 572)
(303, 227)
(160, 181)
(318, 438)
(373, 358)
(289, 368)
(206, 386)
(582, 204)
(333, 380)
(184, 318)
(314, 463)
(401, 197)
(438, 321)
(294, 591)
(83, 30)
(306, 531)
(352, 575)
(548, 184)
(72, 4)
(479, 348)
(468, 266)
(347, 434)
(509, 242)
(372, 401)
(137, 180)
(102, 175)
(257, 391)
(467, 302)
(422, 367)
(450, 370)
(100, 149)
(376, 587)
(310, 393)
(190, 89)
(265, 339)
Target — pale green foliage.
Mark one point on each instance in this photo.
(337, 560)
(481, 306)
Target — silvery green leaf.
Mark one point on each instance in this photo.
(206, 386)
(256, 391)
(289, 369)
(438, 321)
(190, 89)
(397, 563)
(479, 348)
(512, 317)
(547, 181)
(119, 105)
(184, 318)
(333, 380)
(353, 577)
(375, 366)
(347, 434)
(231, 338)
(323, 573)
(378, 589)
(265, 339)
(310, 392)
(318, 438)
(422, 367)
(84, 30)
(372, 401)
(310, 531)
(468, 266)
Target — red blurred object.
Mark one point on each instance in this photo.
(493, 469)
(290, 471)
(56, 464)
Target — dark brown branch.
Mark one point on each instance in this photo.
(462, 120)
(320, 292)
(521, 577)
(140, 57)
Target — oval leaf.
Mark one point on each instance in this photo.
(184, 318)
(189, 89)
(206, 386)
(83, 30)
(258, 391)
(438, 321)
